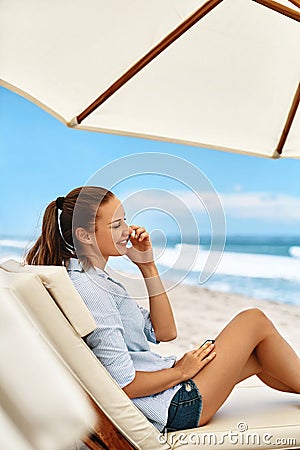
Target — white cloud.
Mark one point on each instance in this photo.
(251, 205)
(237, 205)
(261, 205)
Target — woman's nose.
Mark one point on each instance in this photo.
(126, 229)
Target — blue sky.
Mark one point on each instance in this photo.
(42, 159)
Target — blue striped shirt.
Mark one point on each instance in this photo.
(121, 339)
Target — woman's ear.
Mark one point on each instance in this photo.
(83, 236)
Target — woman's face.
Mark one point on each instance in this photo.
(112, 232)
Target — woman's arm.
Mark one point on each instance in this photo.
(149, 383)
(161, 313)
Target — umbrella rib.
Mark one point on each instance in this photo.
(295, 2)
(289, 12)
(146, 59)
(288, 123)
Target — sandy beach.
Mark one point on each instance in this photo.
(201, 314)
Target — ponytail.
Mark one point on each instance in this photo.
(49, 249)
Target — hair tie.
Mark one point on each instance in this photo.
(60, 202)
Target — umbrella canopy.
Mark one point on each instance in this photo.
(219, 73)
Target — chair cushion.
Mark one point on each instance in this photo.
(37, 391)
(60, 287)
(10, 435)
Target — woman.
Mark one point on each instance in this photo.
(85, 228)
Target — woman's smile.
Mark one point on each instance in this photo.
(123, 242)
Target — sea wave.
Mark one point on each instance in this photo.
(235, 264)
(13, 249)
(13, 243)
(294, 251)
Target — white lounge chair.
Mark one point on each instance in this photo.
(254, 413)
(42, 406)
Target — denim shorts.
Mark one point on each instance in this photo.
(185, 408)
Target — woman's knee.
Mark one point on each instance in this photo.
(255, 315)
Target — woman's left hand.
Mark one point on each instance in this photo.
(141, 250)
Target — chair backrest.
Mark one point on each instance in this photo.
(33, 294)
(41, 403)
(57, 282)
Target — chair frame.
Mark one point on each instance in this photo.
(105, 435)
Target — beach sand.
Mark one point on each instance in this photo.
(201, 314)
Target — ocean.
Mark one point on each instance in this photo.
(260, 267)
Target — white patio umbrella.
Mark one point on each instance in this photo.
(217, 73)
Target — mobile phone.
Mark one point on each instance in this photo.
(207, 340)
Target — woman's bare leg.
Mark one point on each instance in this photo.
(253, 367)
(248, 345)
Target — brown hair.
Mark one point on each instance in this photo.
(56, 242)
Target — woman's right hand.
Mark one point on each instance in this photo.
(192, 362)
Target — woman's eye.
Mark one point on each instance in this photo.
(118, 224)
